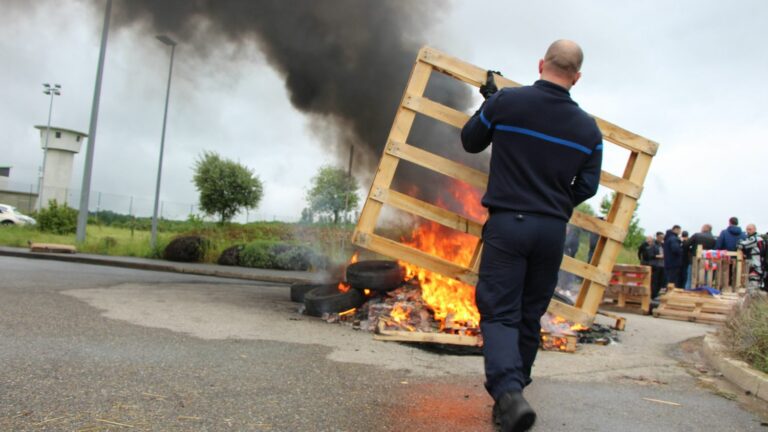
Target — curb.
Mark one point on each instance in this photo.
(160, 266)
(737, 372)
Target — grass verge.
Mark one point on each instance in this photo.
(746, 332)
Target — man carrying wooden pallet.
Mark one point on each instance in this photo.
(546, 159)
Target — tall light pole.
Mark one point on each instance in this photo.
(170, 42)
(85, 190)
(51, 91)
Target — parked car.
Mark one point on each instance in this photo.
(10, 215)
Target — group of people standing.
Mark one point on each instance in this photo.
(670, 254)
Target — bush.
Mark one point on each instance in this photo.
(257, 254)
(186, 249)
(230, 256)
(746, 332)
(295, 258)
(57, 219)
(279, 256)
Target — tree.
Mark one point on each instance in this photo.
(333, 193)
(635, 234)
(225, 186)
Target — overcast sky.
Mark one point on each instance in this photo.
(686, 74)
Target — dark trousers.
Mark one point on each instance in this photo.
(673, 275)
(657, 280)
(518, 273)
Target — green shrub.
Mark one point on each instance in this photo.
(57, 219)
(230, 256)
(294, 258)
(279, 256)
(746, 332)
(186, 249)
(257, 254)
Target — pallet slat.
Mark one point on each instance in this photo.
(612, 231)
(428, 211)
(437, 163)
(695, 307)
(476, 76)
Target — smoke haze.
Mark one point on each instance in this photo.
(345, 62)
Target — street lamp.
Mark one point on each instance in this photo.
(169, 42)
(51, 91)
(85, 191)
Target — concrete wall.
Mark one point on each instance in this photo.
(23, 201)
(58, 173)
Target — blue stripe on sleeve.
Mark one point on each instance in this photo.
(599, 147)
(545, 137)
(485, 120)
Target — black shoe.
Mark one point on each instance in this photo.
(513, 414)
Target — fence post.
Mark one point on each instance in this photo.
(29, 204)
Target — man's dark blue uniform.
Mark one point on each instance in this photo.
(546, 159)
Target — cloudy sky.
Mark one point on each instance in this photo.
(687, 74)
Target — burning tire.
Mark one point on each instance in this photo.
(375, 275)
(328, 299)
(299, 290)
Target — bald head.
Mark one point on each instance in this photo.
(565, 56)
(562, 63)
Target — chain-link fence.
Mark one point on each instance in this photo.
(24, 196)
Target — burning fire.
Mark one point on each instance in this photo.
(343, 286)
(452, 302)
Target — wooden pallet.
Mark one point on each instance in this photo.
(52, 248)
(596, 275)
(700, 307)
(630, 288)
(549, 342)
(731, 275)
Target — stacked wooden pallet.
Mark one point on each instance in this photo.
(630, 287)
(696, 306)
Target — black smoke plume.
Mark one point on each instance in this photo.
(345, 63)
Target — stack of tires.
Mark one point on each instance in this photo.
(375, 276)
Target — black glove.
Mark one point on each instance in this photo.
(489, 88)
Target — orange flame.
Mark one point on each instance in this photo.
(452, 302)
(343, 287)
(399, 313)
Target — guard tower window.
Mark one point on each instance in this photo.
(78, 138)
(58, 134)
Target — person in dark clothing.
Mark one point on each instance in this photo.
(572, 240)
(657, 265)
(684, 270)
(673, 256)
(567, 280)
(730, 237)
(644, 252)
(706, 240)
(546, 159)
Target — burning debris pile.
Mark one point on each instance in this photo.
(422, 306)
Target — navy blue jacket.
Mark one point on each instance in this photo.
(546, 153)
(673, 250)
(729, 238)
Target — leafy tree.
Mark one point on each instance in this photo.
(225, 186)
(635, 234)
(333, 193)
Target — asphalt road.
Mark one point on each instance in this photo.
(98, 348)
